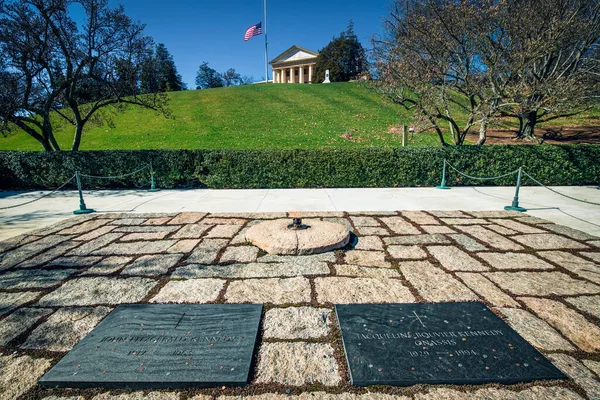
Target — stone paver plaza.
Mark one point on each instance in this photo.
(58, 283)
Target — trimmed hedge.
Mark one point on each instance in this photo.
(367, 167)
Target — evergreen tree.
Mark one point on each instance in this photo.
(344, 57)
(159, 72)
(208, 77)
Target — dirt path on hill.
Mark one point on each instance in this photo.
(586, 134)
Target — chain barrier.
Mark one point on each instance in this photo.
(482, 178)
(41, 197)
(559, 193)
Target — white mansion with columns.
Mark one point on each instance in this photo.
(295, 65)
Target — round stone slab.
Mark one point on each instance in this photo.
(274, 237)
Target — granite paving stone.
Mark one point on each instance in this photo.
(240, 238)
(588, 304)
(10, 301)
(369, 243)
(367, 258)
(108, 265)
(98, 290)
(297, 364)
(274, 290)
(132, 237)
(533, 393)
(595, 243)
(20, 321)
(593, 366)
(122, 215)
(74, 261)
(501, 229)
(224, 221)
(18, 374)
(579, 373)
(567, 231)
(536, 331)
(33, 278)
(59, 226)
(437, 229)
(340, 290)
(326, 214)
(191, 231)
(434, 284)
(532, 220)
(369, 230)
(496, 214)
(365, 272)
(183, 246)
(53, 397)
(492, 238)
(541, 283)
(464, 221)
(297, 323)
(153, 265)
(417, 239)
(128, 221)
(364, 221)
(85, 227)
(454, 259)
(95, 233)
(573, 325)
(487, 290)
(467, 242)
(223, 231)
(299, 260)
(187, 218)
(157, 221)
(252, 270)
(342, 221)
(133, 248)
(449, 214)
(65, 328)
(17, 241)
(257, 215)
(48, 255)
(206, 252)
(420, 217)
(592, 255)
(406, 252)
(517, 226)
(576, 265)
(400, 226)
(93, 245)
(146, 228)
(515, 261)
(548, 241)
(241, 254)
(189, 291)
(138, 395)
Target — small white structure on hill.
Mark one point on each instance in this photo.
(295, 65)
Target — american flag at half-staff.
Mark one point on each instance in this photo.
(254, 30)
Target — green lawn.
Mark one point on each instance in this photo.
(248, 117)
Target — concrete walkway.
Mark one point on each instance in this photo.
(540, 202)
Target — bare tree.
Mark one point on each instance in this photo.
(55, 69)
(231, 78)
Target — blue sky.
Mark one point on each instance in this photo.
(213, 31)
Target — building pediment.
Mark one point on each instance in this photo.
(293, 55)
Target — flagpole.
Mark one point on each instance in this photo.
(266, 51)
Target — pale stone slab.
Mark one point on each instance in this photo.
(361, 290)
(223, 231)
(19, 374)
(132, 237)
(570, 232)
(532, 220)
(34, 278)
(501, 230)
(576, 265)
(341, 221)
(73, 261)
(134, 248)
(98, 290)
(515, 261)
(369, 243)
(588, 304)
(487, 290)
(434, 284)
(10, 301)
(496, 214)
(157, 221)
(576, 371)
(541, 283)
(128, 221)
(595, 243)
(183, 246)
(240, 254)
(152, 265)
(464, 221)
(207, 251)
(592, 255)
(517, 226)
(189, 291)
(108, 265)
(548, 241)
(299, 260)
(140, 396)
(48, 255)
(274, 290)
(323, 214)
(367, 258)
(224, 221)
(191, 231)
(85, 227)
(64, 398)
(400, 226)
(455, 259)
(136, 215)
(449, 214)
(437, 229)
(252, 270)
(417, 239)
(146, 228)
(187, 218)
(257, 215)
(533, 393)
(535, 331)
(492, 238)
(407, 252)
(93, 245)
(420, 218)
(240, 238)
(369, 230)
(297, 323)
(467, 243)
(364, 221)
(17, 241)
(65, 328)
(11, 258)
(365, 272)
(19, 321)
(297, 364)
(593, 366)
(573, 325)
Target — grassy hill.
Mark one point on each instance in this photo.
(248, 117)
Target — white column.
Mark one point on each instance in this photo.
(291, 70)
(301, 74)
(310, 68)
(278, 71)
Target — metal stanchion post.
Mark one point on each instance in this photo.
(515, 203)
(152, 183)
(443, 183)
(82, 207)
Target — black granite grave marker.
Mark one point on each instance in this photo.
(143, 346)
(460, 343)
